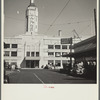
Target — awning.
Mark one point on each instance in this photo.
(82, 52)
(89, 48)
(85, 48)
(32, 58)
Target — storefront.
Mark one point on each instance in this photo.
(85, 55)
(85, 50)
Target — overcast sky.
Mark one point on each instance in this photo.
(78, 15)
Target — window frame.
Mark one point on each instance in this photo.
(12, 46)
(14, 54)
(51, 62)
(6, 45)
(63, 46)
(56, 54)
(38, 54)
(50, 54)
(6, 54)
(57, 45)
(59, 64)
(27, 54)
(50, 46)
(32, 55)
(63, 54)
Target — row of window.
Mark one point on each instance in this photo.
(57, 54)
(49, 46)
(13, 53)
(12, 45)
(32, 54)
(59, 47)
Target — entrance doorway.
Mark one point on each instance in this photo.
(32, 63)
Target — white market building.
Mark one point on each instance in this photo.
(31, 49)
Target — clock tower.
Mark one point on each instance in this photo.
(32, 18)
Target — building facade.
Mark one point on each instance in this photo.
(31, 49)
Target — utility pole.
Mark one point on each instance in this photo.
(71, 51)
(95, 20)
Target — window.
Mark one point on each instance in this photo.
(50, 47)
(28, 54)
(6, 53)
(64, 46)
(57, 63)
(64, 54)
(14, 45)
(6, 45)
(37, 54)
(14, 53)
(50, 53)
(57, 46)
(51, 62)
(32, 54)
(57, 54)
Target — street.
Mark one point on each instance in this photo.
(44, 76)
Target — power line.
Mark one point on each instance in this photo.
(69, 23)
(81, 31)
(77, 22)
(57, 17)
(14, 18)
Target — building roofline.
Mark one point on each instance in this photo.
(85, 41)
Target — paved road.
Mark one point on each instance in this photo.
(44, 76)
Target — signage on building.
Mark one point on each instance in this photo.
(66, 41)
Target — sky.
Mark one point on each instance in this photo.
(78, 15)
